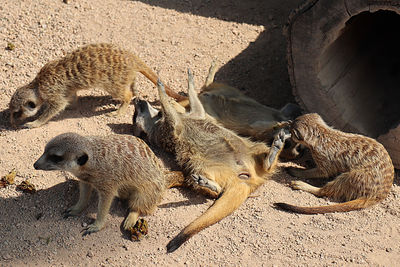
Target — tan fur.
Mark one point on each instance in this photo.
(116, 166)
(103, 66)
(232, 167)
(240, 113)
(361, 166)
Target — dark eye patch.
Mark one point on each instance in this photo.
(55, 158)
(288, 144)
(31, 104)
(82, 160)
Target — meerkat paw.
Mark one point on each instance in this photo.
(32, 124)
(92, 228)
(202, 181)
(276, 147)
(72, 211)
(299, 185)
(282, 124)
(131, 220)
(280, 138)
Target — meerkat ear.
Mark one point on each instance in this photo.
(82, 159)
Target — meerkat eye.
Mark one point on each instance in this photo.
(288, 144)
(82, 159)
(244, 176)
(55, 158)
(31, 104)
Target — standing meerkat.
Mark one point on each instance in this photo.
(103, 66)
(361, 166)
(216, 159)
(115, 165)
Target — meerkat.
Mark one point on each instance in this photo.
(102, 66)
(116, 166)
(244, 115)
(361, 166)
(214, 158)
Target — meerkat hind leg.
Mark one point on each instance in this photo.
(300, 185)
(126, 100)
(131, 219)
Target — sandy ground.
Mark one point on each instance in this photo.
(170, 36)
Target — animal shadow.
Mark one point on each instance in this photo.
(38, 219)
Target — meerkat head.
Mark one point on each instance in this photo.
(144, 118)
(67, 152)
(306, 127)
(24, 103)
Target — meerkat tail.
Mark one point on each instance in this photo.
(175, 179)
(149, 74)
(229, 201)
(356, 204)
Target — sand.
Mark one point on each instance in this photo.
(246, 38)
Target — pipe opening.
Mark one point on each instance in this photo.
(360, 72)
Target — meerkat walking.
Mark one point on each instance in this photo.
(116, 165)
(104, 66)
(215, 158)
(361, 166)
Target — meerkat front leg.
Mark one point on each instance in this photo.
(126, 99)
(202, 181)
(49, 112)
(276, 148)
(85, 191)
(105, 200)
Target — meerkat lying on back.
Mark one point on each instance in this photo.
(361, 166)
(115, 165)
(98, 65)
(229, 166)
(244, 115)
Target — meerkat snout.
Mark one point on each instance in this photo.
(60, 155)
(144, 117)
(24, 104)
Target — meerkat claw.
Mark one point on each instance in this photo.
(204, 182)
(92, 228)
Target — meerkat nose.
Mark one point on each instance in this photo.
(36, 165)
